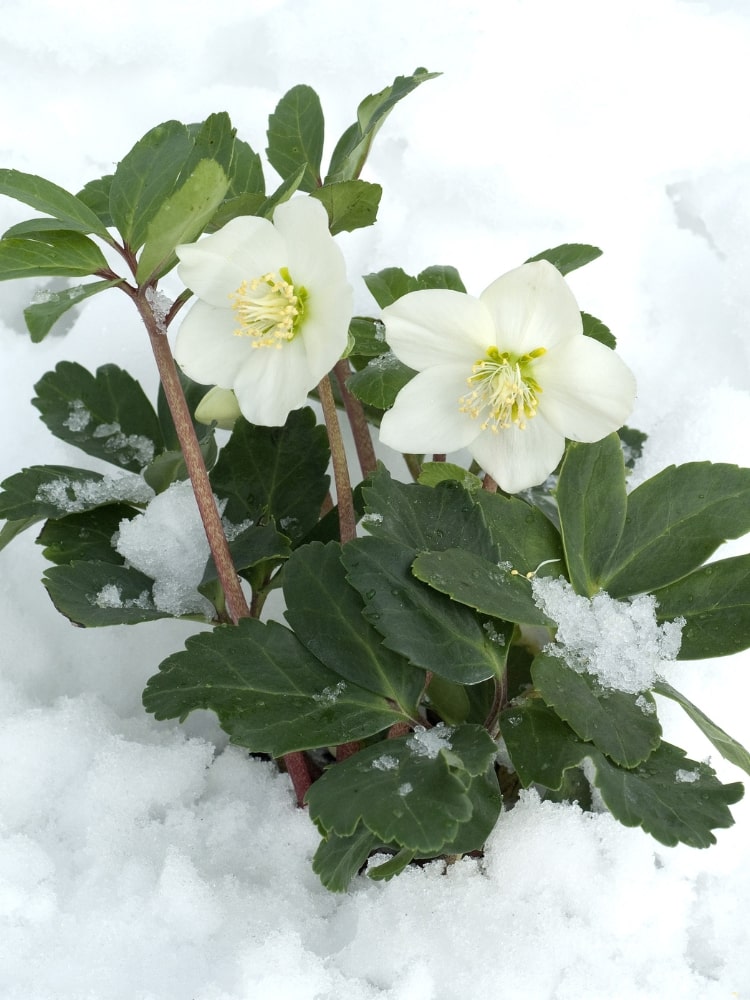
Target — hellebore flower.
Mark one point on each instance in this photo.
(273, 309)
(509, 375)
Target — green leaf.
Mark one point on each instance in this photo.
(541, 746)
(729, 748)
(391, 283)
(106, 415)
(441, 276)
(169, 467)
(433, 473)
(368, 336)
(394, 866)
(325, 613)
(86, 536)
(11, 529)
(181, 218)
(270, 694)
(244, 204)
(594, 328)
(95, 195)
(415, 621)
(101, 593)
(568, 256)
(353, 147)
(524, 536)
(350, 204)
(592, 503)
(623, 726)
(280, 470)
(255, 544)
(51, 199)
(715, 603)
(380, 381)
(31, 228)
(632, 441)
(43, 491)
(283, 193)
(295, 136)
(675, 799)
(411, 790)
(674, 522)
(146, 177)
(338, 859)
(245, 171)
(481, 584)
(55, 253)
(42, 315)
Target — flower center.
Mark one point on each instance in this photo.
(502, 390)
(269, 309)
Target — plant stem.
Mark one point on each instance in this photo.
(357, 420)
(347, 518)
(196, 467)
(489, 484)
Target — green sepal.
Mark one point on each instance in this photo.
(106, 415)
(270, 694)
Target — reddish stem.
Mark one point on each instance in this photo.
(357, 420)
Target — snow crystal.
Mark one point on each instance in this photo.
(429, 742)
(233, 531)
(686, 777)
(73, 496)
(618, 642)
(160, 306)
(372, 518)
(385, 763)
(78, 416)
(167, 542)
(330, 695)
(405, 789)
(140, 447)
(110, 596)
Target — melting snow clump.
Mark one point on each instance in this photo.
(619, 642)
(385, 763)
(167, 543)
(429, 742)
(71, 496)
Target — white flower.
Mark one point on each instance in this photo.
(509, 375)
(273, 309)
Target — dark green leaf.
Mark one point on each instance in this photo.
(729, 748)
(486, 586)
(43, 491)
(524, 536)
(394, 866)
(42, 315)
(256, 543)
(380, 381)
(715, 603)
(244, 204)
(95, 195)
(338, 859)
(145, 178)
(675, 799)
(269, 692)
(169, 467)
(281, 470)
(623, 726)
(353, 147)
(181, 218)
(86, 536)
(106, 415)
(390, 284)
(674, 522)
(32, 228)
(51, 199)
(55, 253)
(411, 790)
(326, 615)
(433, 473)
(592, 503)
(415, 621)
(368, 336)
(568, 256)
(441, 276)
(541, 746)
(101, 593)
(245, 171)
(350, 204)
(283, 193)
(632, 442)
(594, 328)
(11, 529)
(295, 136)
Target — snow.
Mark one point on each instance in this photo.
(618, 642)
(148, 861)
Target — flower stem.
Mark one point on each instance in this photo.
(489, 484)
(357, 420)
(196, 467)
(347, 518)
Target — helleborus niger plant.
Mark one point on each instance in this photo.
(443, 633)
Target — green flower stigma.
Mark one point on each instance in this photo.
(269, 309)
(503, 391)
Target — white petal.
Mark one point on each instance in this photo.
(532, 307)
(245, 248)
(426, 415)
(273, 382)
(587, 390)
(324, 330)
(206, 348)
(314, 257)
(517, 459)
(437, 327)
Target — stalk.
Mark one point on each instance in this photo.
(347, 517)
(357, 420)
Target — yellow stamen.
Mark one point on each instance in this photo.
(269, 309)
(502, 390)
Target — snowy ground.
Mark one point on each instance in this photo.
(133, 865)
